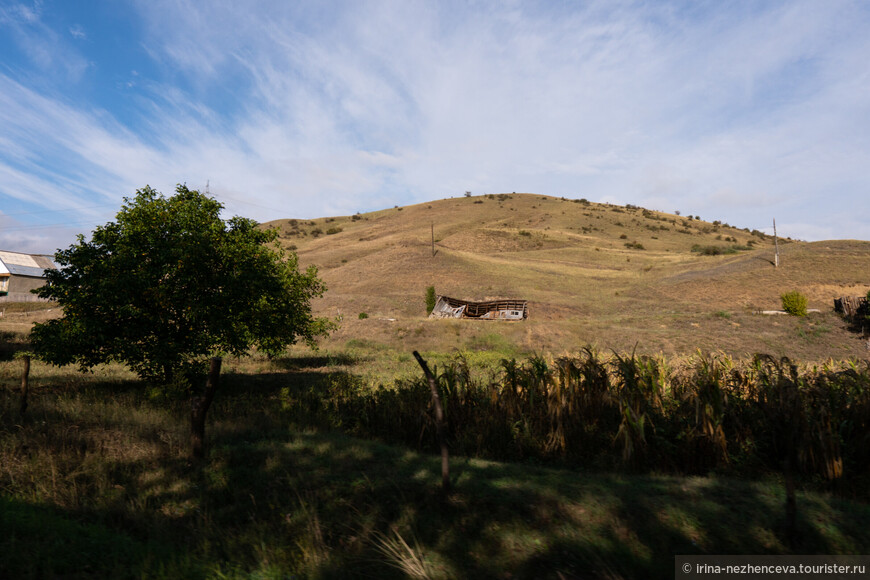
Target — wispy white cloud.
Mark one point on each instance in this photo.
(47, 49)
(78, 32)
(740, 112)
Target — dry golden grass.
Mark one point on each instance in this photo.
(584, 284)
(571, 261)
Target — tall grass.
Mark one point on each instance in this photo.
(96, 481)
(707, 412)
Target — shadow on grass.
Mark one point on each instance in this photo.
(272, 500)
(343, 496)
(765, 259)
(317, 361)
(39, 541)
(12, 343)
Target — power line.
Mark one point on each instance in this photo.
(56, 210)
(42, 227)
(248, 202)
(91, 222)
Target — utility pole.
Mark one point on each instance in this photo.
(776, 245)
(433, 239)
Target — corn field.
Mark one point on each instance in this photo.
(639, 413)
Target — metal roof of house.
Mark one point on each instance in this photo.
(19, 264)
(17, 270)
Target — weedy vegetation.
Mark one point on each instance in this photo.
(590, 464)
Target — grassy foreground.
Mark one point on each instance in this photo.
(96, 482)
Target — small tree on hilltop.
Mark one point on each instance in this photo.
(430, 299)
(169, 285)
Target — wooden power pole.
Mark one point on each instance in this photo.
(433, 239)
(776, 245)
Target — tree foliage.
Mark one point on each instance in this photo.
(430, 299)
(169, 284)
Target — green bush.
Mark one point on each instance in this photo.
(794, 303)
(430, 299)
(333, 231)
(363, 315)
(713, 250)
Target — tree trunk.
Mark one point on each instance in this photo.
(199, 408)
(25, 377)
(439, 422)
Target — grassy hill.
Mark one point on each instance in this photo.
(610, 275)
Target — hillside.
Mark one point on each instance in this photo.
(611, 275)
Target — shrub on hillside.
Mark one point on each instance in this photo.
(332, 231)
(713, 250)
(794, 303)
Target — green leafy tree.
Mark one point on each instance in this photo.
(169, 285)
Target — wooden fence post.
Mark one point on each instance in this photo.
(439, 422)
(199, 407)
(25, 377)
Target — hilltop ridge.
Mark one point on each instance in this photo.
(593, 273)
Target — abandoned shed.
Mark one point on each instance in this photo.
(446, 307)
(21, 273)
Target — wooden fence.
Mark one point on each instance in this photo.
(21, 297)
(849, 305)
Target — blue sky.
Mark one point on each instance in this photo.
(736, 111)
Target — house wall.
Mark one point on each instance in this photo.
(24, 283)
(21, 297)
